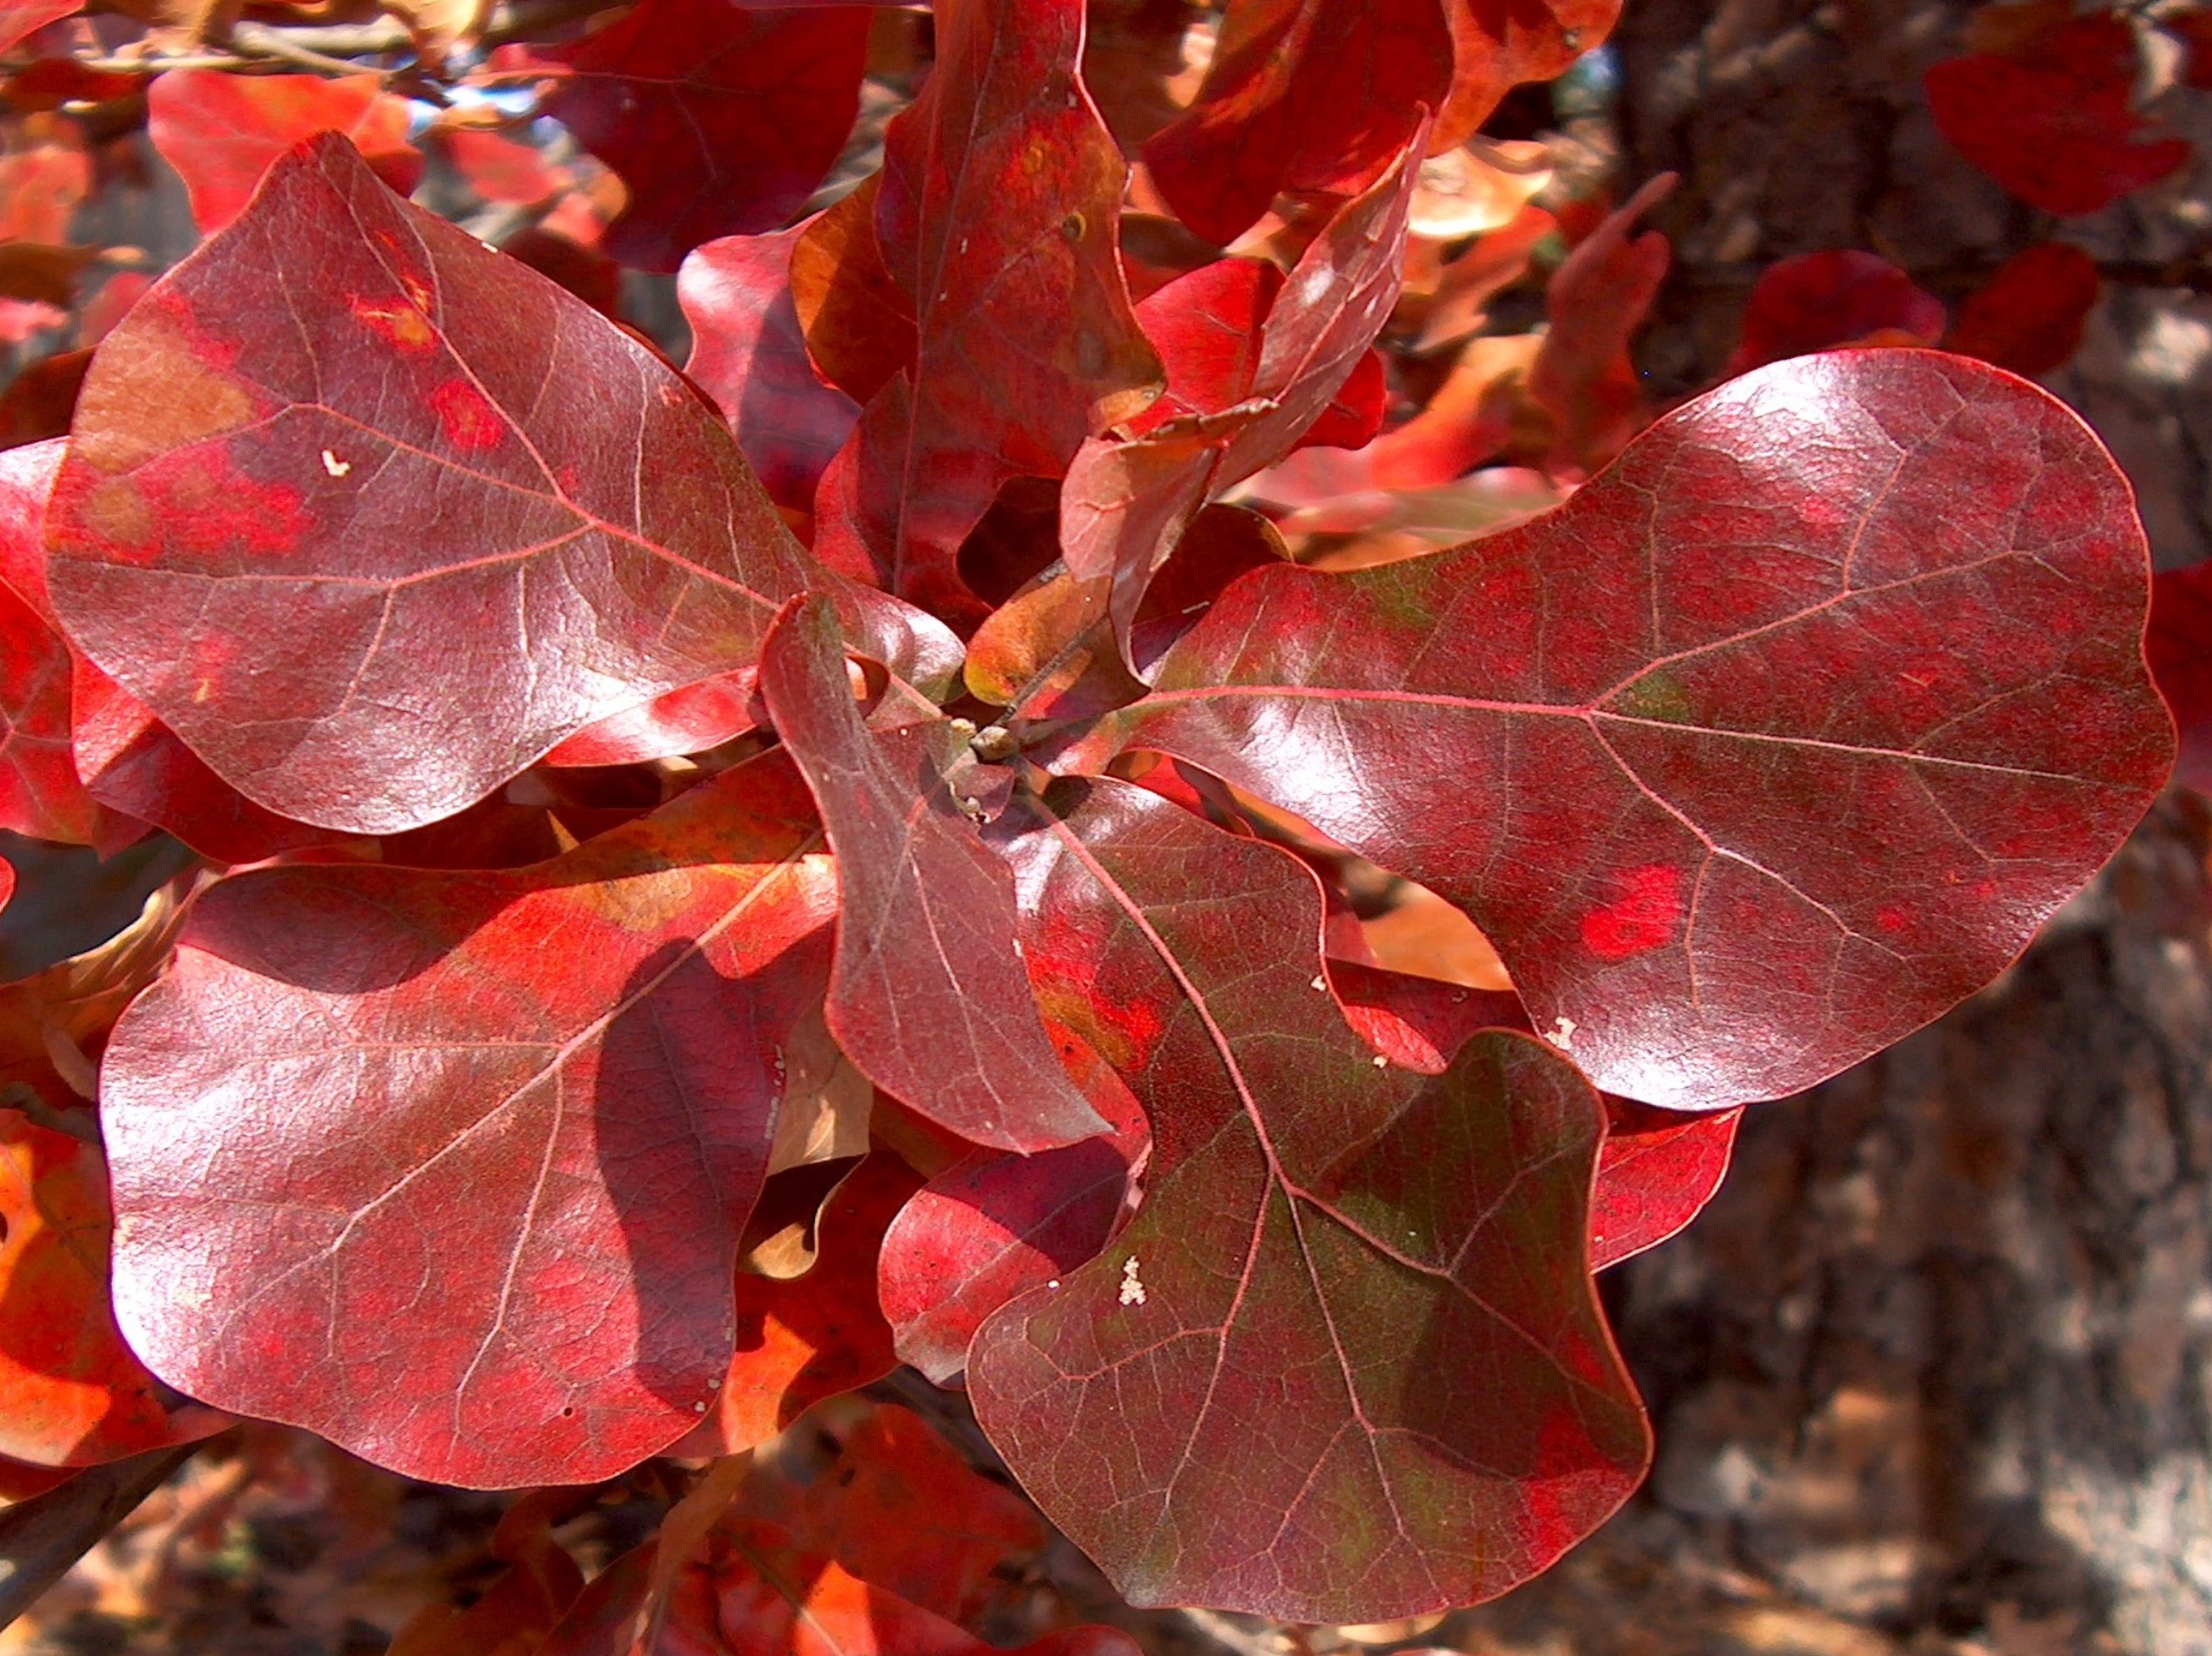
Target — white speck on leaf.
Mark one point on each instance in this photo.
(1053, 1283)
(334, 465)
(1378, 1061)
(1133, 1290)
(1321, 985)
(1562, 1035)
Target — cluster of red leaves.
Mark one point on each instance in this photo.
(2044, 102)
(846, 854)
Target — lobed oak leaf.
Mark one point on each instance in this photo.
(2053, 122)
(1784, 771)
(528, 1111)
(998, 218)
(1823, 301)
(1350, 1290)
(926, 996)
(2029, 315)
(367, 581)
(749, 354)
(222, 132)
(857, 320)
(720, 119)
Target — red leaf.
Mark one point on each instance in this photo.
(2029, 315)
(687, 721)
(500, 169)
(750, 1591)
(39, 793)
(994, 1226)
(19, 18)
(527, 1112)
(1001, 198)
(1497, 45)
(858, 321)
(1350, 1289)
(2179, 646)
(1127, 504)
(1747, 771)
(1655, 1170)
(1596, 300)
(71, 1393)
(808, 1337)
(721, 119)
(222, 131)
(749, 355)
(1818, 301)
(928, 997)
(585, 272)
(40, 401)
(1301, 94)
(369, 581)
(2194, 30)
(902, 1510)
(2053, 122)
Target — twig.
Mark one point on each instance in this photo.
(41, 1538)
(339, 48)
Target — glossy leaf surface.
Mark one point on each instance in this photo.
(1002, 191)
(372, 552)
(1764, 750)
(928, 997)
(749, 354)
(222, 132)
(1347, 1358)
(720, 119)
(527, 1112)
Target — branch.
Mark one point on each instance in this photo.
(41, 1538)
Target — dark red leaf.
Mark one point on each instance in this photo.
(39, 793)
(2053, 123)
(222, 131)
(721, 119)
(749, 354)
(1001, 192)
(527, 1112)
(1818, 301)
(1657, 1168)
(1350, 1289)
(928, 997)
(687, 721)
(133, 762)
(368, 581)
(1243, 402)
(804, 1338)
(2179, 646)
(2194, 30)
(40, 401)
(1747, 771)
(1301, 94)
(994, 1226)
(2029, 315)
(71, 1393)
(585, 272)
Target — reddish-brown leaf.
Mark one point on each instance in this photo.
(39, 793)
(858, 321)
(1498, 43)
(1656, 1169)
(2053, 122)
(720, 119)
(687, 721)
(499, 168)
(1350, 1289)
(997, 212)
(804, 1338)
(527, 1112)
(71, 1393)
(1596, 300)
(1818, 302)
(994, 1226)
(749, 354)
(1301, 94)
(927, 995)
(373, 543)
(2029, 315)
(2179, 646)
(19, 18)
(1748, 769)
(222, 132)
